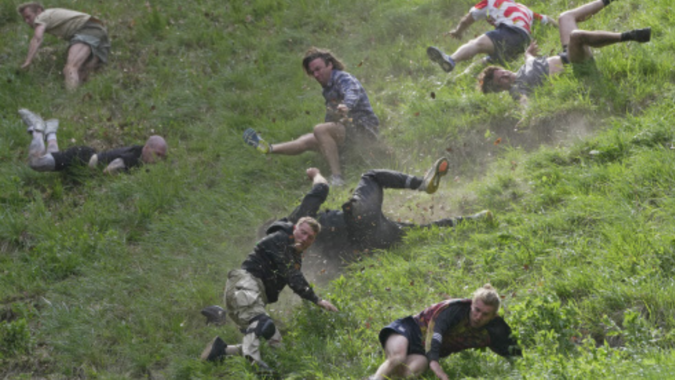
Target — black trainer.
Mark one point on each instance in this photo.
(642, 35)
(215, 350)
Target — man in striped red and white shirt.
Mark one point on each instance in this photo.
(508, 41)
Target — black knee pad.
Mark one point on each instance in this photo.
(265, 327)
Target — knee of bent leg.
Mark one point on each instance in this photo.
(322, 129)
(565, 16)
(577, 37)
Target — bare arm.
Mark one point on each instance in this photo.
(115, 166)
(464, 24)
(438, 370)
(35, 43)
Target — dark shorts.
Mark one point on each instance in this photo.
(410, 330)
(95, 36)
(586, 69)
(75, 156)
(510, 43)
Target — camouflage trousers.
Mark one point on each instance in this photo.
(245, 299)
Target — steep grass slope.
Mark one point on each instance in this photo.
(104, 277)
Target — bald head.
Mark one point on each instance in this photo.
(155, 148)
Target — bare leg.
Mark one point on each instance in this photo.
(567, 22)
(480, 45)
(88, 67)
(77, 56)
(297, 146)
(329, 137)
(398, 363)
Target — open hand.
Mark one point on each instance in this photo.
(327, 305)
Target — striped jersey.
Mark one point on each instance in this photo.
(507, 12)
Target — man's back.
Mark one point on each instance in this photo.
(62, 23)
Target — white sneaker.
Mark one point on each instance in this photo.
(51, 126)
(32, 120)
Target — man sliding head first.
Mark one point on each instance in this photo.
(50, 159)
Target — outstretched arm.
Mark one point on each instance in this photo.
(532, 51)
(115, 166)
(313, 199)
(463, 25)
(546, 20)
(35, 43)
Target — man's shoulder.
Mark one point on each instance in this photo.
(57, 14)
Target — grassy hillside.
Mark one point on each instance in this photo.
(104, 277)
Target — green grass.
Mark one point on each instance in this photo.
(104, 277)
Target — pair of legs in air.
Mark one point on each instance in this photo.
(39, 157)
(578, 43)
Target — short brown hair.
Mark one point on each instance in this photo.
(486, 81)
(488, 295)
(327, 56)
(311, 222)
(33, 6)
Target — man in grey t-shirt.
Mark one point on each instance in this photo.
(576, 44)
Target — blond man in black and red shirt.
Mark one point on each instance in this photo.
(413, 343)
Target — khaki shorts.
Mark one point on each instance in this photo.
(95, 36)
(244, 297)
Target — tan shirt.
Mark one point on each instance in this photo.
(62, 23)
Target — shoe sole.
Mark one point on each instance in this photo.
(436, 56)
(251, 137)
(216, 344)
(441, 167)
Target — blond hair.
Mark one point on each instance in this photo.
(488, 295)
(33, 6)
(311, 222)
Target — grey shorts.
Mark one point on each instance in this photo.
(510, 43)
(95, 36)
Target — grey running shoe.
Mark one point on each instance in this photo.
(51, 126)
(436, 55)
(433, 176)
(337, 181)
(253, 139)
(214, 314)
(32, 120)
(214, 351)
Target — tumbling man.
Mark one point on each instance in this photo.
(274, 263)
(577, 50)
(361, 224)
(87, 37)
(113, 161)
(413, 343)
(349, 115)
(513, 28)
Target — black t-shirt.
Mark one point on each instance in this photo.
(131, 155)
(74, 156)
